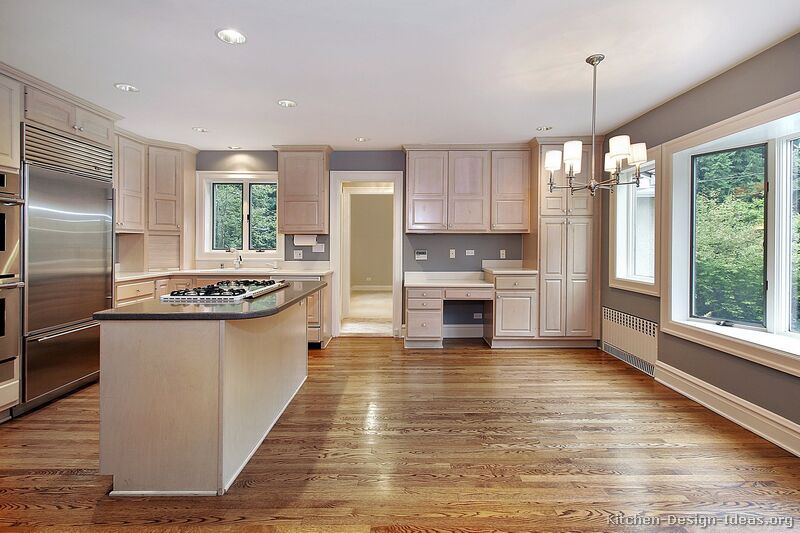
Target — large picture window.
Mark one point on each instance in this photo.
(729, 243)
(238, 212)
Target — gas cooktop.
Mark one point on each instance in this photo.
(229, 291)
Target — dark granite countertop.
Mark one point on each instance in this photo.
(267, 305)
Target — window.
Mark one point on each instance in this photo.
(238, 211)
(795, 236)
(729, 234)
(633, 225)
(636, 226)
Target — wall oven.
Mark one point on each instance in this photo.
(11, 207)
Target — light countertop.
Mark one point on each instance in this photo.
(221, 272)
(472, 280)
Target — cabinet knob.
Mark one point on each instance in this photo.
(424, 293)
(424, 324)
(74, 127)
(516, 283)
(468, 294)
(80, 128)
(424, 304)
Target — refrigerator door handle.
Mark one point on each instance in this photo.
(48, 337)
(12, 201)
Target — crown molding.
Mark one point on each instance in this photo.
(155, 142)
(490, 146)
(303, 148)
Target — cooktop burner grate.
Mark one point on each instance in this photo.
(228, 291)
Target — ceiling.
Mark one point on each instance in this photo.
(400, 72)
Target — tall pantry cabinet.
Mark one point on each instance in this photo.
(568, 249)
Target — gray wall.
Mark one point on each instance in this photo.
(438, 245)
(378, 160)
(766, 77)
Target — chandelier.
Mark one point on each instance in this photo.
(619, 149)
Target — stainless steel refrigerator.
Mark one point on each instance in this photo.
(67, 262)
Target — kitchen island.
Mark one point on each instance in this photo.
(189, 391)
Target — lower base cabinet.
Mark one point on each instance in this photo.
(515, 314)
(424, 325)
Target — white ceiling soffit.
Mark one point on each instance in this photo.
(410, 71)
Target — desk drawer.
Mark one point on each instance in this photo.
(424, 325)
(135, 290)
(527, 283)
(416, 303)
(469, 294)
(424, 293)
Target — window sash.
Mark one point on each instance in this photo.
(765, 242)
(250, 218)
(214, 213)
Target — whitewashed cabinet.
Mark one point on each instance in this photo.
(560, 202)
(131, 185)
(165, 189)
(52, 111)
(469, 191)
(515, 314)
(426, 191)
(511, 191)
(565, 270)
(303, 192)
(10, 117)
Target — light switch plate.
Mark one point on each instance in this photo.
(452, 253)
(476, 316)
(502, 254)
(470, 252)
(318, 248)
(298, 254)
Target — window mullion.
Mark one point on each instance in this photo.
(780, 242)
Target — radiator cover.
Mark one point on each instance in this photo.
(630, 339)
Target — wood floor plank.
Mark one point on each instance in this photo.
(382, 439)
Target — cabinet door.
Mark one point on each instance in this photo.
(552, 272)
(579, 301)
(515, 314)
(313, 309)
(426, 191)
(131, 160)
(94, 127)
(165, 172)
(469, 191)
(162, 288)
(10, 105)
(302, 193)
(177, 284)
(49, 110)
(511, 191)
(561, 202)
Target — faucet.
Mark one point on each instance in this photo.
(237, 258)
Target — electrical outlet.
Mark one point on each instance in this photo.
(318, 248)
(477, 315)
(452, 253)
(470, 252)
(502, 254)
(298, 254)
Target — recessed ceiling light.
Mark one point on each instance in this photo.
(287, 103)
(544, 128)
(127, 87)
(362, 139)
(231, 36)
(200, 130)
(234, 147)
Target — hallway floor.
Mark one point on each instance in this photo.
(370, 314)
(383, 439)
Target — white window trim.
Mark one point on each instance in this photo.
(778, 351)
(630, 284)
(204, 222)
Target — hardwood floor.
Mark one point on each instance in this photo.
(464, 439)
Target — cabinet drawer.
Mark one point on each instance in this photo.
(131, 301)
(135, 290)
(424, 325)
(9, 394)
(313, 335)
(313, 311)
(469, 294)
(527, 283)
(424, 293)
(416, 303)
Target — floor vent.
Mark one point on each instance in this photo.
(630, 339)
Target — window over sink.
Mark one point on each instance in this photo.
(238, 211)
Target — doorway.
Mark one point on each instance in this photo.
(366, 241)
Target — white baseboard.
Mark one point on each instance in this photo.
(776, 429)
(462, 331)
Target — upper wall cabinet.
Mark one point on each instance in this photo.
(511, 191)
(131, 185)
(560, 202)
(426, 191)
(467, 191)
(10, 116)
(52, 111)
(165, 173)
(303, 190)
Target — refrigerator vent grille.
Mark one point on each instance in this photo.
(54, 150)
